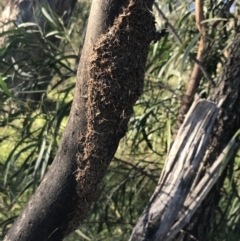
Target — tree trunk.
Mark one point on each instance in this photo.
(109, 81)
(227, 123)
(163, 204)
(14, 14)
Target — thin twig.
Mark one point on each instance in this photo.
(225, 8)
(166, 87)
(180, 42)
(168, 25)
(137, 168)
(205, 73)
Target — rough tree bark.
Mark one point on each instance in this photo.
(24, 11)
(109, 81)
(226, 125)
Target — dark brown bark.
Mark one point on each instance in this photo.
(50, 210)
(196, 75)
(109, 81)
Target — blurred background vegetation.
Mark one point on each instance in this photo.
(31, 129)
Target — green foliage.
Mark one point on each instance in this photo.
(38, 67)
(42, 83)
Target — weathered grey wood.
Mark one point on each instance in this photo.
(226, 125)
(199, 192)
(179, 173)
